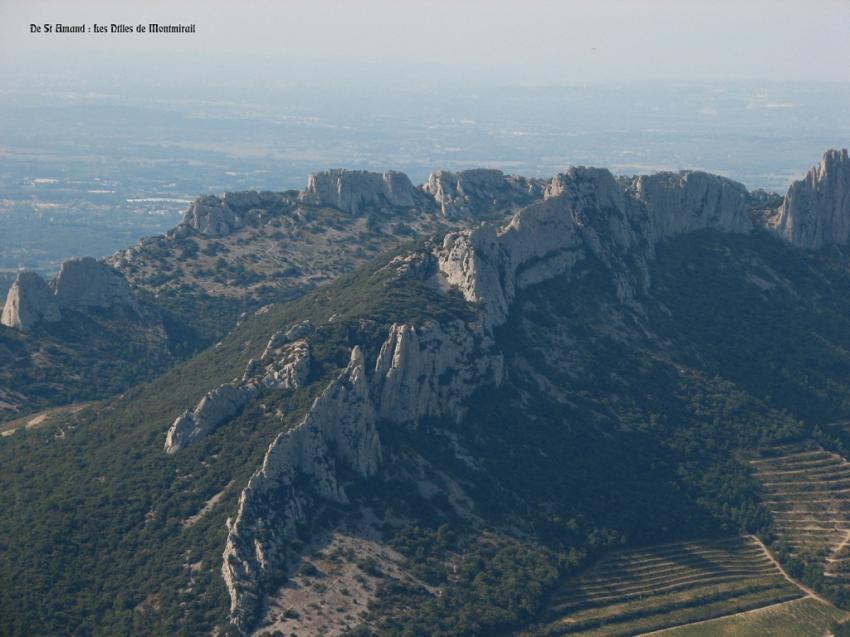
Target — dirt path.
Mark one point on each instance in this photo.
(808, 591)
(37, 418)
(843, 543)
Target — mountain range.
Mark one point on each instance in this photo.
(374, 408)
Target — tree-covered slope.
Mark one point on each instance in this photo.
(474, 419)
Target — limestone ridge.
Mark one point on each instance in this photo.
(82, 282)
(219, 216)
(85, 282)
(812, 214)
(285, 363)
(433, 368)
(587, 212)
(816, 209)
(430, 370)
(354, 190)
(453, 195)
(29, 301)
(470, 193)
(339, 427)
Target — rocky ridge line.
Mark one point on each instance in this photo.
(453, 195)
(284, 364)
(82, 282)
(406, 384)
(585, 213)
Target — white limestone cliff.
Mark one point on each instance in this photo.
(682, 202)
(816, 210)
(587, 212)
(86, 282)
(29, 301)
(470, 193)
(353, 191)
(431, 370)
(338, 428)
(82, 283)
(216, 216)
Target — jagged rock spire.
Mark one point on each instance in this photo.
(816, 209)
(29, 301)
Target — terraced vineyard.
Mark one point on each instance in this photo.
(807, 490)
(797, 618)
(639, 591)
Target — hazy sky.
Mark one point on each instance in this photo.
(523, 42)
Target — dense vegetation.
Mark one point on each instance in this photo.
(85, 356)
(94, 533)
(616, 427)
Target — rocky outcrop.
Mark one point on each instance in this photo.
(82, 283)
(816, 209)
(216, 407)
(85, 282)
(282, 365)
(682, 202)
(472, 193)
(29, 301)
(426, 371)
(219, 216)
(587, 212)
(209, 215)
(431, 370)
(355, 191)
(338, 428)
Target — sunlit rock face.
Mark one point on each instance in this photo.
(29, 301)
(816, 209)
(85, 282)
(472, 193)
(284, 364)
(355, 191)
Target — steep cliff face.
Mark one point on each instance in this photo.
(353, 191)
(339, 428)
(85, 282)
(429, 370)
(471, 193)
(29, 301)
(816, 209)
(682, 202)
(587, 212)
(82, 282)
